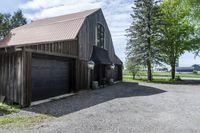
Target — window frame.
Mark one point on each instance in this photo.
(102, 44)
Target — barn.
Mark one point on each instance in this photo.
(51, 57)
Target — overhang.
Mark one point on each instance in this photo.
(100, 56)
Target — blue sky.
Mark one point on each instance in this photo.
(116, 13)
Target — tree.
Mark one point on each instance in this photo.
(4, 25)
(196, 67)
(193, 6)
(8, 22)
(176, 33)
(17, 19)
(132, 67)
(140, 33)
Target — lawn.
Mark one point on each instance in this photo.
(8, 121)
(155, 80)
(7, 109)
(23, 121)
(164, 74)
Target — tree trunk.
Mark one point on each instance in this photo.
(173, 71)
(133, 76)
(149, 73)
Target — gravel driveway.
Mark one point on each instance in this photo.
(123, 108)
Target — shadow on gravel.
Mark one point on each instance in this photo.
(86, 99)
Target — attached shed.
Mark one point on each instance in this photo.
(49, 57)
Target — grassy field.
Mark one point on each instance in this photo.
(155, 80)
(23, 121)
(8, 121)
(7, 109)
(163, 74)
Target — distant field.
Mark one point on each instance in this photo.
(162, 74)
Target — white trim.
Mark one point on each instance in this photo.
(51, 99)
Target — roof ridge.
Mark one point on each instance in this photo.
(32, 24)
(24, 28)
(95, 9)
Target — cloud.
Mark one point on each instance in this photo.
(117, 14)
(41, 4)
(188, 59)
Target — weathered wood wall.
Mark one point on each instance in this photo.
(65, 48)
(81, 75)
(87, 36)
(117, 74)
(87, 39)
(12, 77)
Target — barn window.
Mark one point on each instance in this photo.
(100, 35)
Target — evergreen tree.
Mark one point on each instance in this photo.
(8, 22)
(141, 33)
(4, 25)
(17, 19)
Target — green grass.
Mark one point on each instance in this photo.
(23, 121)
(165, 74)
(155, 80)
(19, 121)
(7, 109)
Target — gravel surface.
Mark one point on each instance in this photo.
(122, 108)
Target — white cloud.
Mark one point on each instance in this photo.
(117, 14)
(188, 59)
(39, 4)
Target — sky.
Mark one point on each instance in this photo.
(117, 14)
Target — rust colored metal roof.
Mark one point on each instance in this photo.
(59, 28)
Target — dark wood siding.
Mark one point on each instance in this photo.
(65, 48)
(81, 75)
(87, 36)
(12, 77)
(117, 74)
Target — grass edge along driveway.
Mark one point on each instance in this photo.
(8, 121)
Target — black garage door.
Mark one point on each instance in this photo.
(50, 77)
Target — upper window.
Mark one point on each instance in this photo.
(100, 35)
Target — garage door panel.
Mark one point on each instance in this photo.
(50, 77)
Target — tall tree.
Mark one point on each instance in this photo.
(176, 33)
(193, 6)
(140, 33)
(4, 25)
(132, 67)
(8, 22)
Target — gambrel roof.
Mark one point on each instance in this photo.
(59, 28)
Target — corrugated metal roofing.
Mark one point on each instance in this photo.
(59, 28)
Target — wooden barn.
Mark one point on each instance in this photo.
(51, 57)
